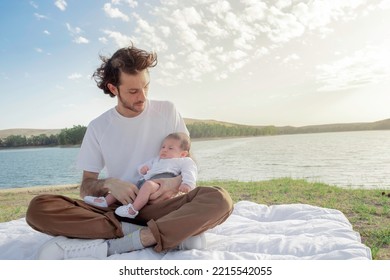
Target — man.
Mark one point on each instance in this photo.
(119, 141)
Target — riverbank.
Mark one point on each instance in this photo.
(367, 210)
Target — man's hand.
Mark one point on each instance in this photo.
(169, 187)
(124, 192)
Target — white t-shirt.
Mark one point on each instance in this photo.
(184, 166)
(121, 144)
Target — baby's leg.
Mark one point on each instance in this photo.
(131, 210)
(144, 193)
(110, 199)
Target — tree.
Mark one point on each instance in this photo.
(72, 136)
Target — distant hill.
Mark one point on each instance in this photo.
(194, 121)
(27, 132)
(378, 125)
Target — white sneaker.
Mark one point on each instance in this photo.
(63, 248)
(194, 242)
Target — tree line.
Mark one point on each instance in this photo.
(210, 130)
(74, 135)
(67, 136)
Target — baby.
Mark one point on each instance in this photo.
(173, 160)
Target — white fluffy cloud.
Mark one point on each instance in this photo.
(120, 39)
(75, 76)
(221, 37)
(366, 66)
(80, 40)
(61, 4)
(114, 12)
(75, 33)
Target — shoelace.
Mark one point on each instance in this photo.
(80, 250)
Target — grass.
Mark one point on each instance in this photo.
(367, 210)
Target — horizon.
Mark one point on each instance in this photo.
(211, 120)
(282, 63)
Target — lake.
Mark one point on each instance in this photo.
(346, 159)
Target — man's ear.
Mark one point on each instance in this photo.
(112, 88)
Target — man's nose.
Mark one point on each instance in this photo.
(142, 94)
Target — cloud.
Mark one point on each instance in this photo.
(103, 40)
(61, 4)
(316, 15)
(291, 58)
(220, 8)
(284, 26)
(75, 76)
(255, 10)
(366, 66)
(39, 16)
(75, 33)
(150, 34)
(211, 37)
(46, 32)
(35, 5)
(384, 4)
(130, 3)
(81, 40)
(114, 12)
(166, 30)
(120, 39)
(183, 23)
(73, 30)
(216, 30)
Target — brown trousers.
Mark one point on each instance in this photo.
(170, 221)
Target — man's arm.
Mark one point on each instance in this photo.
(123, 191)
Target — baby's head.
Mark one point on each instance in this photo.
(175, 145)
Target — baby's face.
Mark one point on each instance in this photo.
(170, 148)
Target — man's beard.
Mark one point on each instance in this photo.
(132, 107)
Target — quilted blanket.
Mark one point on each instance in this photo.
(253, 231)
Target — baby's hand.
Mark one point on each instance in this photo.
(184, 188)
(144, 169)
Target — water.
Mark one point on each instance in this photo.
(346, 159)
(38, 167)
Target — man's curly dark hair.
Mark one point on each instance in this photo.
(129, 60)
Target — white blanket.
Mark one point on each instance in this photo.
(253, 231)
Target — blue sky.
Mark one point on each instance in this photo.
(283, 62)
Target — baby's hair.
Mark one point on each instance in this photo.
(185, 142)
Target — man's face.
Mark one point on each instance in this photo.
(132, 93)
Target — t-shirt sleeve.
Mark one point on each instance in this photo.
(189, 172)
(178, 121)
(90, 156)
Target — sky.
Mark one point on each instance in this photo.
(282, 62)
